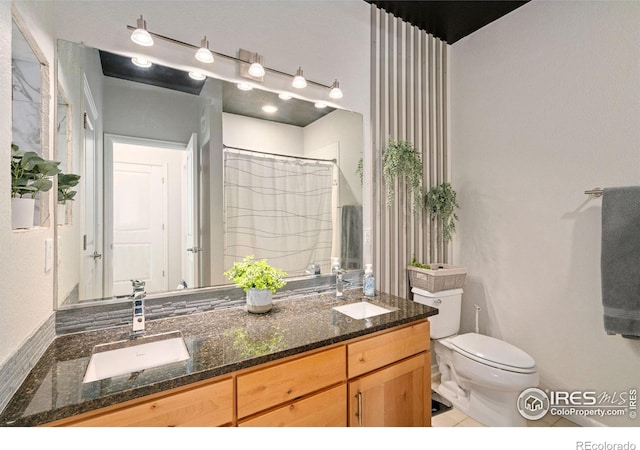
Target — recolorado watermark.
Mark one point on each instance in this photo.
(534, 404)
(589, 445)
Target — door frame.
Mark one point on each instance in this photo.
(109, 141)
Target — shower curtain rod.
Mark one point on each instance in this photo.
(595, 193)
(283, 156)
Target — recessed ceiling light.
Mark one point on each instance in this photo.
(320, 105)
(244, 86)
(285, 96)
(197, 76)
(141, 62)
(269, 108)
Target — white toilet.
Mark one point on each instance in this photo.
(481, 376)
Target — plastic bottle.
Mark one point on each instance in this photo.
(369, 282)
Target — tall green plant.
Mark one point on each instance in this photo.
(441, 203)
(402, 160)
(30, 173)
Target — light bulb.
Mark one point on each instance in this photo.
(197, 76)
(285, 96)
(256, 70)
(140, 35)
(320, 105)
(269, 108)
(204, 54)
(298, 81)
(141, 62)
(244, 86)
(335, 91)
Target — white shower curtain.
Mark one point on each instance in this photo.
(278, 208)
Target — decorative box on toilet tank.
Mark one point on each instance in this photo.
(441, 277)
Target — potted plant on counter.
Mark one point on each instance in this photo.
(30, 174)
(259, 280)
(66, 181)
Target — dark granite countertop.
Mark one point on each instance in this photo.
(219, 342)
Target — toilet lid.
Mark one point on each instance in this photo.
(493, 352)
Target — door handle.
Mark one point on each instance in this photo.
(359, 413)
(96, 255)
(194, 249)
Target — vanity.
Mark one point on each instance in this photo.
(304, 363)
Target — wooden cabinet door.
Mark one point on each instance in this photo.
(326, 409)
(398, 395)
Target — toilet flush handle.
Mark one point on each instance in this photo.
(477, 314)
(437, 301)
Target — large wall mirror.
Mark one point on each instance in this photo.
(180, 177)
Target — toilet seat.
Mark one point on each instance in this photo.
(493, 352)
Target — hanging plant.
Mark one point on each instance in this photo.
(401, 159)
(441, 204)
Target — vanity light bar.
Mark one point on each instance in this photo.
(232, 58)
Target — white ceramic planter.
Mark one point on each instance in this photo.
(259, 300)
(22, 212)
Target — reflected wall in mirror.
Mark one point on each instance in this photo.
(29, 105)
(182, 177)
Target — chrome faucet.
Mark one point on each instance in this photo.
(138, 296)
(339, 282)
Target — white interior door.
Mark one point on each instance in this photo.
(191, 253)
(139, 238)
(91, 266)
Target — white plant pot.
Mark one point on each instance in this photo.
(259, 300)
(22, 212)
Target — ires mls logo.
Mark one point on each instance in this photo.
(534, 403)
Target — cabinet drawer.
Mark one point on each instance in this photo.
(373, 353)
(326, 409)
(287, 381)
(208, 405)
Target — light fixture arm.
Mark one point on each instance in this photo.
(228, 57)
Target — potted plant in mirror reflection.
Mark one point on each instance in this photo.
(259, 280)
(66, 181)
(30, 174)
(252, 343)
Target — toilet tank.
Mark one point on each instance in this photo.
(447, 321)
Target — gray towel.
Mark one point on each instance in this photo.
(620, 261)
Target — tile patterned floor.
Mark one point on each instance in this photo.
(455, 418)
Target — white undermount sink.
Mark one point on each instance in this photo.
(361, 310)
(123, 357)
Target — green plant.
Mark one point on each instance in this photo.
(419, 265)
(441, 204)
(401, 159)
(30, 173)
(251, 346)
(65, 182)
(250, 273)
